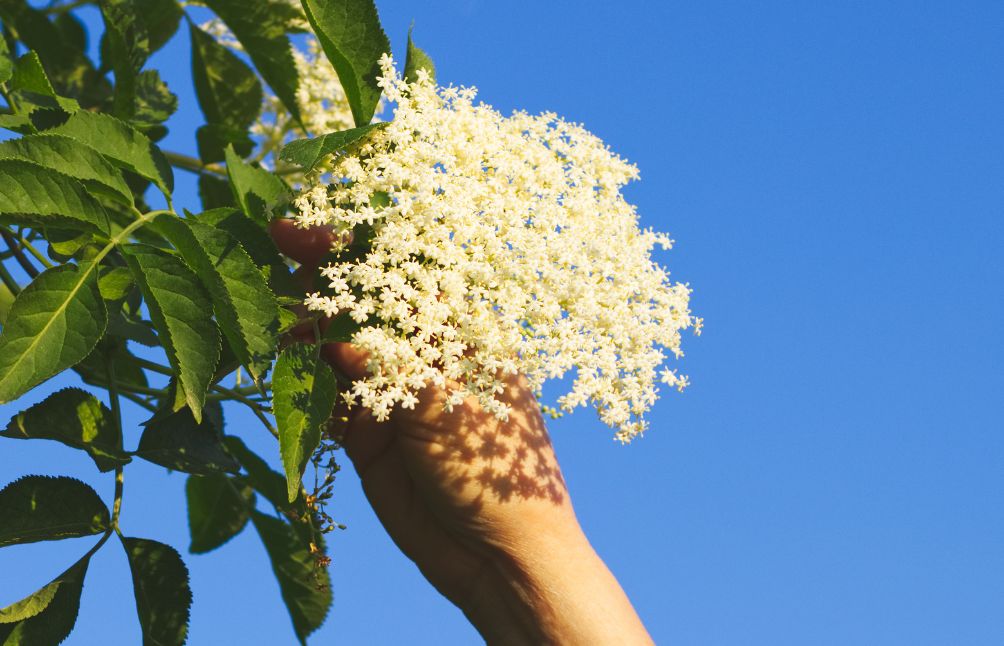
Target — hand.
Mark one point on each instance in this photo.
(478, 504)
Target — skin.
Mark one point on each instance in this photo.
(479, 505)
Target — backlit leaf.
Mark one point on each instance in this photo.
(416, 60)
(47, 615)
(305, 586)
(353, 40)
(309, 152)
(163, 595)
(244, 306)
(121, 144)
(44, 508)
(30, 194)
(54, 323)
(178, 442)
(257, 191)
(72, 158)
(75, 418)
(182, 313)
(303, 393)
(218, 507)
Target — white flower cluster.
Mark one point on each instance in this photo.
(498, 245)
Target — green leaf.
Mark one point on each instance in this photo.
(54, 323)
(121, 144)
(178, 442)
(217, 510)
(48, 615)
(212, 139)
(255, 240)
(244, 306)
(350, 34)
(71, 158)
(77, 419)
(128, 47)
(228, 91)
(256, 190)
(30, 194)
(44, 508)
(303, 393)
(265, 481)
(163, 596)
(416, 60)
(309, 152)
(162, 18)
(214, 193)
(155, 103)
(29, 76)
(305, 587)
(181, 312)
(114, 283)
(261, 30)
(6, 64)
(94, 369)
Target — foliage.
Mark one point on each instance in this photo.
(95, 280)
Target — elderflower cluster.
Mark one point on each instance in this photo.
(497, 245)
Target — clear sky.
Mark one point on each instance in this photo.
(833, 174)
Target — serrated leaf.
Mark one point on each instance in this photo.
(128, 46)
(253, 237)
(71, 158)
(305, 587)
(155, 103)
(217, 510)
(261, 31)
(244, 306)
(416, 60)
(228, 91)
(162, 18)
(29, 77)
(75, 418)
(54, 323)
(181, 312)
(303, 393)
(353, 40)
(121, 144)
(48, 615)
(44, 508)
(256, 190)
(178, 442)
(309, 152)
(163, 595)
(30, 194)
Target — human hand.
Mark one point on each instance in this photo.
(479, 504)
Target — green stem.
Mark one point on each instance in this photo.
(113, 396)
(193, 165)
(70, 6)
(255, 407)
(139, 401)
(18, 254)
(39, 256)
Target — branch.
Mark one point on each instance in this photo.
(18, 254)
(193, 165)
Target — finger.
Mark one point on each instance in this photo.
(346, 359)
(306, 246)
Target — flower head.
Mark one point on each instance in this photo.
(497, 245)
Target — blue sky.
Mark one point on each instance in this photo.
(834, 177)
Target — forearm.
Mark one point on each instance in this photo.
(550, 586)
